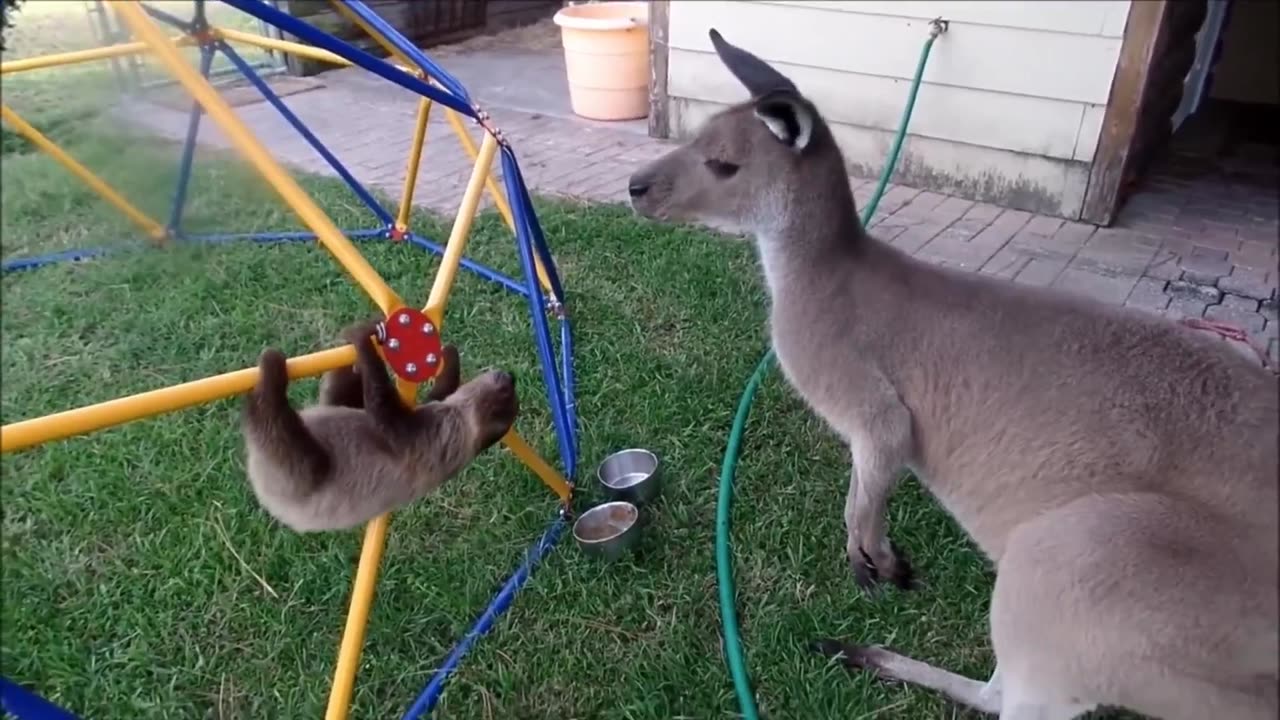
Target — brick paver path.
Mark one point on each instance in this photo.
(1185, 246)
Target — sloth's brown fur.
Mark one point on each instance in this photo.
(361, 452)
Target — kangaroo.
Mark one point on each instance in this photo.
(361, 452)
(1119, 470)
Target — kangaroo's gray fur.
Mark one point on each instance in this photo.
(360, 452)
(1118, 469)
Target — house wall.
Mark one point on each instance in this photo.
(1009, 110)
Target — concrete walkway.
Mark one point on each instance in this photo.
(1193, 243)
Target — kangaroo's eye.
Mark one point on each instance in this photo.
(721, 169)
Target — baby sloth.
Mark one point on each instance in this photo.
(361, 452)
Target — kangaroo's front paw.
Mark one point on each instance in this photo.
(887, 564)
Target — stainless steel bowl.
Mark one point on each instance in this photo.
(609, 530)
(632, 475)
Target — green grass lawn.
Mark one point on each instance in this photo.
(141, 580)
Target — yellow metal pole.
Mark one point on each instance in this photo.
(253, 150)
(468, 144)
(344, 675)
(495, 192)
(415, 159)
(366, 580)
(29, 433)
(461, 232)
(371, 31)
(293, 48)
(95, 183)
(536, 464)
(81, 56)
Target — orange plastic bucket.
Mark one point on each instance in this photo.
(606, 54)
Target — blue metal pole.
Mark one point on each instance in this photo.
(38, 261)
(570, 381)
(535, 229)
(325, 41)
(189, 148)
(501, 603)
(31, 263)
(279, 236)
(305, 132)
(542, 334)
(27, 705)
(410, 50)
(198, 19)
(528, 216)
(483, 271)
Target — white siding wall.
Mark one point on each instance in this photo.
(1009, 111)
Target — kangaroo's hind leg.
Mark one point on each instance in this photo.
(276, 429)
(888, 665)
(1137, 601)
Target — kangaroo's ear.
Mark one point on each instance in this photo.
(788, 116)
(756, 75)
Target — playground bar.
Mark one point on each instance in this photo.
(565, 433)
(278, 236)
(415, 159)
(518, 193)
(344, 9)
(380, 28)
(221, 113)
(29, 433)
(285, 46)
(95, 183)
(344, 674)
(189, 147)
(302, 129)
(461, 232)
(381, 68)
(38, 261)
(545, 472)
(374, 27)
(24, 704)
(570, 389)
(445, 91)
(485, 272)
(375, 540)
(501, 602)
(495, 192)
(81, 56)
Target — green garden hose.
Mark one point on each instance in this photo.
(724, 567)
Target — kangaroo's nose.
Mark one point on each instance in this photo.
(637, 188)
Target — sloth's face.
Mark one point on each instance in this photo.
(490, 400)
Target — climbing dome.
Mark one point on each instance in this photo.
(415, 362)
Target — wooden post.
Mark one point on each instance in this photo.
(659, 21)
(1124, 107)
